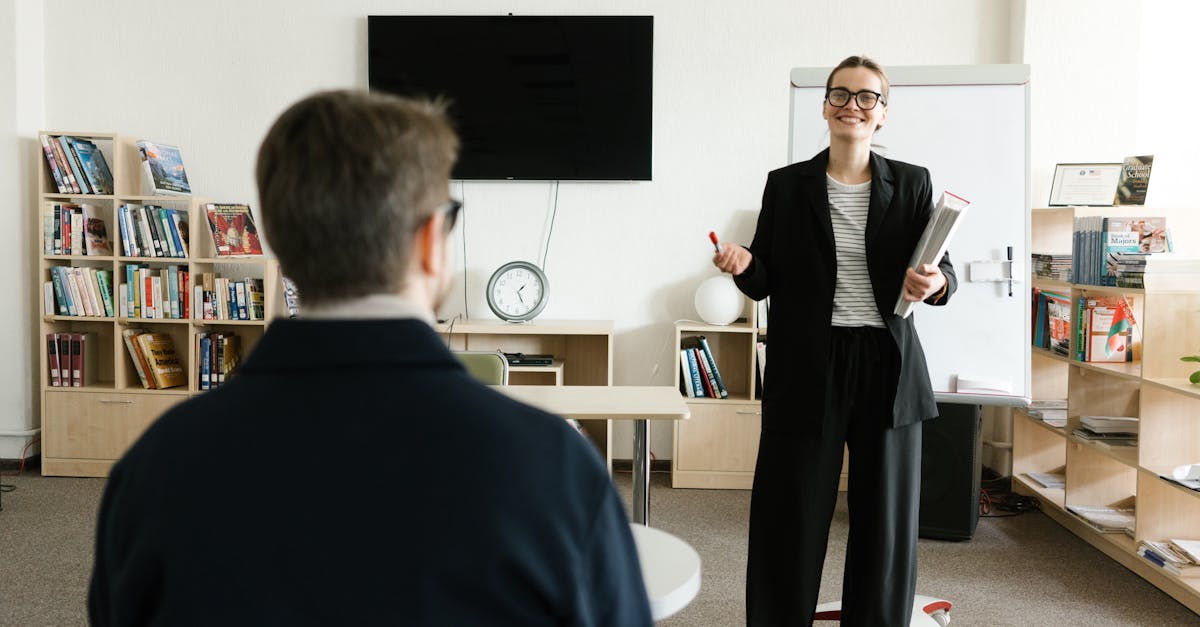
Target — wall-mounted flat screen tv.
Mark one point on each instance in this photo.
(532, 97)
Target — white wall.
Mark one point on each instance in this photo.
(212, 76)
(21, 94)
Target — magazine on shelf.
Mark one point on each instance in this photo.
(1134, 181)
(944, 221)
(162, 170)
(233, 230)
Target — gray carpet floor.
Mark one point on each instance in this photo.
(1021, 571)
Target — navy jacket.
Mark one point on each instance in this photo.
(353, 473)
(794, 262)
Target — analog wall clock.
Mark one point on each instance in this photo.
(517, 291)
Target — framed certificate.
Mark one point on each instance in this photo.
(1084, 184)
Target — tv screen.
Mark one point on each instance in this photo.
(532, 97)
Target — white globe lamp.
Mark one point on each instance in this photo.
(718, 300)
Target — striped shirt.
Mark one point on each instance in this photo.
(853, 299)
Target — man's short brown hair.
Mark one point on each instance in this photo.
(345, 178)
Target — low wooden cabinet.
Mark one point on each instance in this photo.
(86, 431)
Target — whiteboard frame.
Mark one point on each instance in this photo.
(948, 75)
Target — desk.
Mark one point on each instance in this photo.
(670, 568)
(617, 402)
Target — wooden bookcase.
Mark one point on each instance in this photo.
(582, 350)
(86, 429)
(718, 446)
(1154, 387)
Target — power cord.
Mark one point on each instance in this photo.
(550, 234)
(8, 487)
(1011, 503)
(462, 195)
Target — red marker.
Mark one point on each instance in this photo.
(712, 235)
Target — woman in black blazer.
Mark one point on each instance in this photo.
(832, 246)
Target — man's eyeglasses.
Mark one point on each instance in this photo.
(450, 209)
(867, 99)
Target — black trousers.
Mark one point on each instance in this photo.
(795, 490)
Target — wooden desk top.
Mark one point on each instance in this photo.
(618, 402)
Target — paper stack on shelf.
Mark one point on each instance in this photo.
(1048, 479)
(947, 215)
(1180, 557)
(1106, 519)
(1051, 412)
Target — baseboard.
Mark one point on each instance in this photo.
(11, 446)
(657, 465)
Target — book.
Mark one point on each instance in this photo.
(64, 166)
(233, 230)
(935, 239)
(162, 361)
(685, 374)
(52, 359)
(135, 355)
(85, 355)
(92, 163)
(64, 359)
(1134, 181)
(95, 232)
(162, 170)
(706, 379)
(712, 362)
(291, 297)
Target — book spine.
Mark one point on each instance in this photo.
(57, 225)
(705, 376)
(685, 375)
(52, 359)
(48, 298)
(240, 296)
(77, 247)
(61, 157)
(54, 173)
(74, 298)
(76, 360)
(177, 232)
(148, 244)
(219, 359)
(205, 366)
(135, 356)
(77, 166)
(718, 383)
(165, 229)
(64, 359)
(59, 293)
(694, 373)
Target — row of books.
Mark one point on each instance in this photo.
(153, 231)
(1177, 556)
(217, 355)
(220, 298)
(1097, 240)
(701, 377)
(1055, 267)
(157, 293)
(154, 358)
(1170, 270)
(69, 229)
(73, 359)
(1104, 329)
(77, 165)
(78, 291)
(1051, 321)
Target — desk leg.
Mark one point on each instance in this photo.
(641, 472)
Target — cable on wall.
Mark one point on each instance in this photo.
(462, 195)
(550, 233)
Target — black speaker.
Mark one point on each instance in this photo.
(950, 472)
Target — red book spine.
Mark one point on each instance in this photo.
(52, 359)
(64, 358)
(703, 373)
(77, 360)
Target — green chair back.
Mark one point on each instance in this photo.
(490, 368)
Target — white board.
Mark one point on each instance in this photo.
(970, 126)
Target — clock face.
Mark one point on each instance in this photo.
(517, 291)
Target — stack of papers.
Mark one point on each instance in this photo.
(1048, 479)
(1105, 519)
(1052, 412)
(947, 215)
(1110, 424)
(1174, 556)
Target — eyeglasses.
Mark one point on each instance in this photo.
(450, 209)
(867, 99)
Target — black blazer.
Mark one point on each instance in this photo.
(353, 473)
(795, 264)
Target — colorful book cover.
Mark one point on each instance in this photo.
(95, 232)
(95, 168)
(1135, 180)
(233, 230)
(162, 169)
(161, 358)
